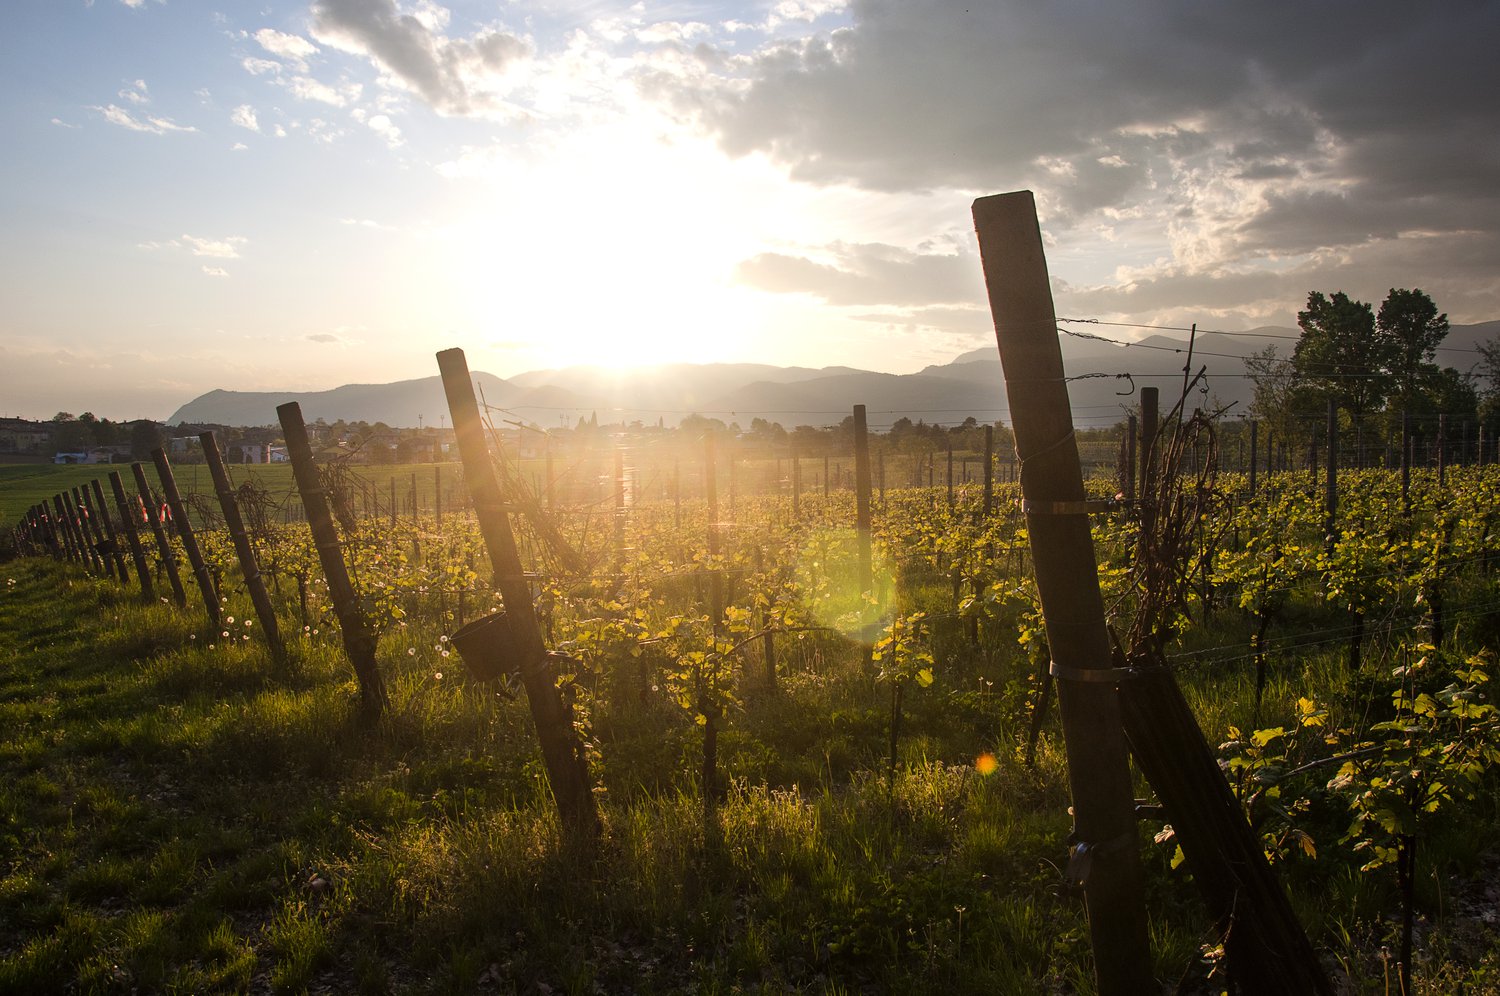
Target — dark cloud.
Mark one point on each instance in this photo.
(1269, 127)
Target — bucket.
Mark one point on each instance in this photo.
(487, 647)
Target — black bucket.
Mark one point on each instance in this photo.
(487, 647)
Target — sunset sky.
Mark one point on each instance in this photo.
(298, 195)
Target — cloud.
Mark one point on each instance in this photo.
(382, 126)
(244, 116)
(226, 248)
(136, 93)
(215, 271)
(868, 274)
(63, 124)
(151, 125)
(454, 76)
(323, 337)
(295, 49)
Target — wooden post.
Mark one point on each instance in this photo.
(64, 524)
(1406, 463)
(243, 548)
(394, 506)
(128, 517)
(989, 471)
(1254, 432)
(796, 485)
(1130, 427)
(185, 533)
(113, 540)
(950, 474)
(562, 753)
(677, 494)
(359, 642)
(1442, 450)
(711, 495)
(163, 546)
(1331, 490)
(862, 528)
(1105, 857)
(96, 532)
(825, 475)
(619, 507)
(437, 496)
(86, 541)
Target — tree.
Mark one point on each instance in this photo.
(1283, 401)
(1341, 354)
(1409, 320)
(145, 436)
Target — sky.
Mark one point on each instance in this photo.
(298, 195)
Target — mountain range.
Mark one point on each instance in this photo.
(1105, 376)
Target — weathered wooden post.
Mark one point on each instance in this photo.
(825, 475)
(63, 529)
(359, 642)
(185, 533)
(1331, 490)
(243, 548)
(94, 531)
(128, 518)
(1104, 857)
(111, 539)
(1254, 432)
(163, 545)
(1268, 951)
(796, 485)
(989, 472)
(562, 753)
(619, 507)
(1442, 450)
(950, 474)
(437, 496)
(87, 542)
(862, 530)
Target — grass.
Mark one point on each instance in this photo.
(180, 814)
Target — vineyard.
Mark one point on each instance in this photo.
(187, 810)
(669, 717)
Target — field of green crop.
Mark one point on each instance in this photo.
(180, 811)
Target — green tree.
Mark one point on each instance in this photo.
(1342, 356)
(1409, 321)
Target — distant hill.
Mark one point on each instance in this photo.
(971, 384)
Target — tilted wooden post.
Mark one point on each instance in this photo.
(87, 543)
(243, 548)
(989, 472)
(562, 753)
(128, 518)
(93, 532)
(63, 526)
(185, 533)
(163, 545)
(1105, 855)
(111, 539)
(359, 642)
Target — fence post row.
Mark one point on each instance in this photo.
(112, 539)
(359, 642)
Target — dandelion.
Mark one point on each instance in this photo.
(443, 639)
(230, 620)
(225, 633)
(986, 764)
(192, 636)
(438, 676)
(247, 624)
(307, 629)
(245, 637)
(210, 646)
(411, 651)
(445, 653)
